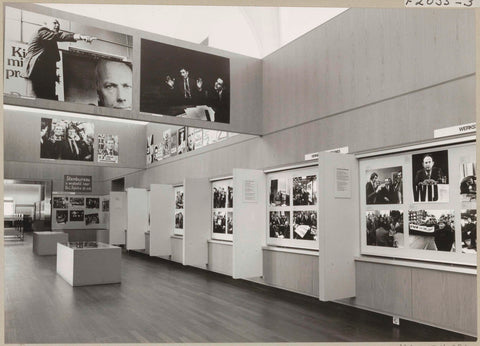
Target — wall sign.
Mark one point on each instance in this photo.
(455, 130)
(314, 156)
(78, 183)
(250, 191)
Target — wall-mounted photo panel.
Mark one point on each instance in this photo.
(430, 177)
(384, 185)
(60, 202)
(66, 140)
(385, 228)
(469, 230)
(57, 59)
(279, 192)
(468, 182)
(77, 201)
(77, 215)
(222, 206)
(186, 83)
(61, 216)
(179, 195)
(92, 203)
(431, 230)
(92, 219)
(107, 148)
(305, 190)
(305, 225)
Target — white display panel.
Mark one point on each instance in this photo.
(161, 223)
(432, 199)
(118, 217)
(292, 208)
(222, 210)
(179, 215)
(79, 211)
(137, 218)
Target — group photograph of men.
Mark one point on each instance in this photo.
(222, 196)
(279, 224)
(385, 228)
(222, 222)
(469, 230)
(384, 186)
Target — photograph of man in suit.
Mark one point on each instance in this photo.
(429, 175)
(42, 56)
(187, 85)
(108, 153)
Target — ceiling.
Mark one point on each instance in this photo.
(248, 30)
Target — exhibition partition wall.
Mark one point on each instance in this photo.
(161, 210)
(137, 218)
(79, 211)
(118, 217)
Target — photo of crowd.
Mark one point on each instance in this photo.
(469, 230)
(66, 140)
(107, 148)
(219, 196)
(279, 192)
(384, 186)
(60, 202)
(468, 182)
(305, 225)
(93, 203)
(179, 198)
(432, 229)
(185, 83)
(385, 228)
(430, 177)
(76, 215)
(305, 190)
(219, 222)
(61, 216)
(279, 224)
(77, 201)
(92, 219)
(179, 220)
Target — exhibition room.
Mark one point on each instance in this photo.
(234, 174)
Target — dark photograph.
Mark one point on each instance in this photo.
(305, 225)
(87, 65)
(384, 185)
(76, 215)
(305, 190)
(430, 176)
(61, 216)
(219, 222)
(219, 196)
(107, 148)
(60, 202)
(181, 140)
(279, 192)
(468, 182)
(280, 224)
(469, 230)
(385, 228)
(432, 229)
(230, 196)
(92, 219)
(66, 140)
(229, 222)
(179, 220)
(179, 199)
(181, 82)
(106, 205)
(93, 203)
(77, 201)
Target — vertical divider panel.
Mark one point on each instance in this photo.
(118, 217)
(197, 209)
(338, 225)
(137, 218)
(249, 222)
(161, 220)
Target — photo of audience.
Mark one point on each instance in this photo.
(279, 192)
(468, 182)
(384, 185)
(305, 190)
(430, 177)
(219, 222)
(385, 228)
(432, 229)
(305, 225)
(279, 224)
(469, 230)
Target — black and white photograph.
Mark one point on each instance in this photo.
(430, 177)
(76, 215)
(106, 205)
(432, 230)
(219, 222)
(107, 148)
(219, 195)
(279, 224)
(149, 149)
(279, 192)
(186, 83)
(93, 203)
(179, 220)
(305, 225)
(191, 131)
(384, 185)
(385, 228)
(66, 140)
(468, 182)
(61, 216)
(230, 195)
(468, 223)
(305, 190)
(67, 61)
(77, 201)
(60, 202)
(181, 141)
(230, 222)
(178, 198)
(92, 219)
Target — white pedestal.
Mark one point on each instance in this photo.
(45, 243)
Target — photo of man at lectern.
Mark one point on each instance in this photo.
(430, 177)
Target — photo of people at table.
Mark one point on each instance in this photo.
(384, 185)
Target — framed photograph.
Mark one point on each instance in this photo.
(92, 219)
(107, 148)
(305, 225)
(469, 230)
(385, 228)
(179, 220)
(305, 190)
(468, 182)
(179, 198)
(230, 222)
(60, 202)
(179, 201)
(430, 177)
(61, 216)
(279, 192)
(384, 185)
(219, 195)
(279, 224)
(230, 195)
(77, 215)
(432, 230)
(181, 140)
(77, 201)
(106, 205)
(219, 222)
(93, 203)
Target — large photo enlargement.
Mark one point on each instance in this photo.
(430, 177)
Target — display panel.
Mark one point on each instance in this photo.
(222, 210)
(57, 59)
(179, 210)
(426, 221)
(292, 211)
(76, 212)
(186, 83)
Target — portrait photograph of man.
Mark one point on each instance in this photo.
(384, 185)
(107, 148)
(430, 177)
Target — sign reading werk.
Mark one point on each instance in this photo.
(78, 183)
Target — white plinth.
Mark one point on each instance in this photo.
(45, 243)
(89, 266)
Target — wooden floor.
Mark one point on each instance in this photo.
(159, 301)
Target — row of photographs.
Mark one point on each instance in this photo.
(302, 225)
(430, 181)
(222, 222)
(87, 202)
(302, 188)
(427, 230)
(53, 58)
(181, 141)
(73, 140)
(61, 216)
